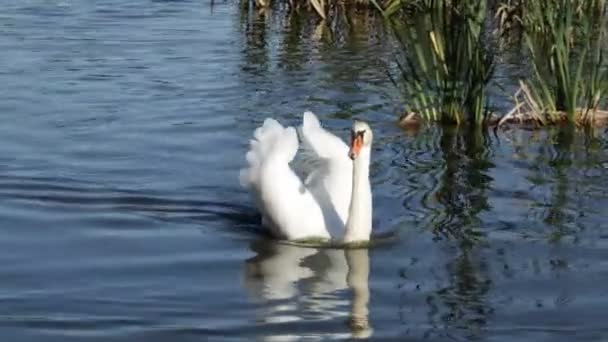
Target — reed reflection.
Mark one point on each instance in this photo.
(464, 183)
(460, 302)
(256, 54)
(558, 215)
(562, 183)
(303, 285)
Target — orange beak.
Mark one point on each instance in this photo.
(355, 146)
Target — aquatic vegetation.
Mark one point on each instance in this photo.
(390, 8)
(324, 9)
(508, 15)
(564, 40)
(445, 52)
(444, 63)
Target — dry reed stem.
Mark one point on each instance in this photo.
(527, 110)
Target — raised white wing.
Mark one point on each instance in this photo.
(329, 169)
(288, 208)
(319, 143)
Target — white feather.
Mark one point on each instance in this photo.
(331, 175)
(290, 207)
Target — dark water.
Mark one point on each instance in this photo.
(125, 123)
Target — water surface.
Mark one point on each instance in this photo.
(125, 124)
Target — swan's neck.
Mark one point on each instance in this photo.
(359, 223)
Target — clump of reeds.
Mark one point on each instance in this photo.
(324, 9)
(445, 64)
(564, 39)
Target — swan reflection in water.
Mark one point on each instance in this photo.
(300, 285)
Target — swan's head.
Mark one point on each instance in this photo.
(361, 137)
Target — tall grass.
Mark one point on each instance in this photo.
(564, 40)
(444, 63)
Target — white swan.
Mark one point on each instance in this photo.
(334, 201)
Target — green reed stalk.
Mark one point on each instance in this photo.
(444, 65)
(564, 40)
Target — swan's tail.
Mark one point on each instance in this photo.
(271, 140)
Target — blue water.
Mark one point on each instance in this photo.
(124, 126)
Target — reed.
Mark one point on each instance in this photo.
(326, 10)
(564, 39)
(444, 64)
(445, 52)
(508, 14)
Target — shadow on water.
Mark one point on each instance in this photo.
(298, 285)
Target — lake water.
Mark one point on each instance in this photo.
(124, 125)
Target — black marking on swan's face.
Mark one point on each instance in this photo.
(358, 134)
(361, 129)
(361, 135)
